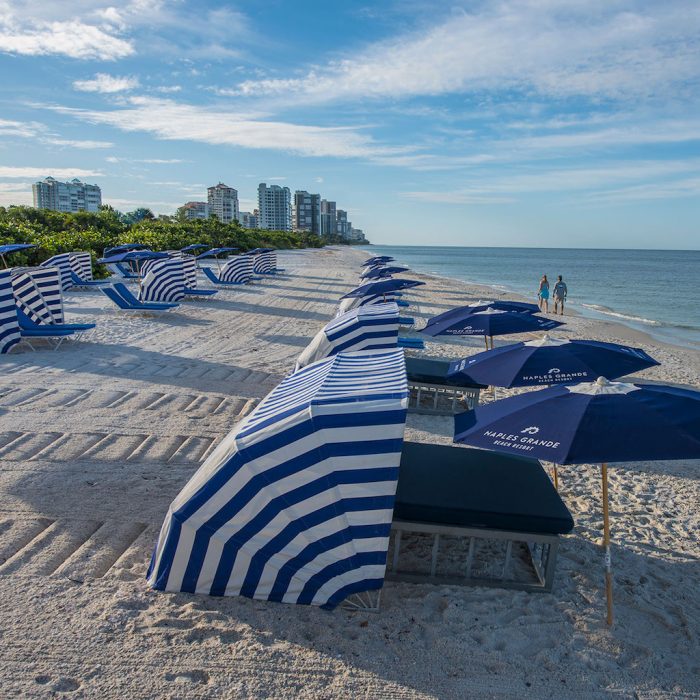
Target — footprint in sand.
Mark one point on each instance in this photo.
(65, 685)
(195, 676)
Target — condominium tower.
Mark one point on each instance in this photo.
(66, 196)
(306, 214)
(274, 207)
(223, 202)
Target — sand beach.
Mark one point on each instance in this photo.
(98, 437)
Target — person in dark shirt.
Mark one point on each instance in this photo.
(559, 294)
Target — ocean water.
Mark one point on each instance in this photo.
(656, 291)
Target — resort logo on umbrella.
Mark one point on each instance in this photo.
(532, 430)
(554, 370)
(522, 441)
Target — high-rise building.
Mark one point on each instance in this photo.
(223, 201)
(195, 210)
(328, 218)
(274, 207)
(306, 214)
(248, 219)
(341, 220)
(66, 196)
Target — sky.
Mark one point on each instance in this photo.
(547, 123)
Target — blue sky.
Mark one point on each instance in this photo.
(535, 122)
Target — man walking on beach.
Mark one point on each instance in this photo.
(560, 292)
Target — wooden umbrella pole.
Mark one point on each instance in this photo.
(486, 340)
(556, 478)
(606, 544)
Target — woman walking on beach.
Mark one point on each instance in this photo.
(543, 294)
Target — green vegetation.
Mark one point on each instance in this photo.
(55, 232)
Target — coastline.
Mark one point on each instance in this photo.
(97, 439)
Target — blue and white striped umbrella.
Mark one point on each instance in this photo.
(365, 328)
(163, 280)
(37, 291)
(9, 328)
(62, 263)
(81, 264)
(238, 269)
(295, 504)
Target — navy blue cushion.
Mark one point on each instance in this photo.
(433, 371)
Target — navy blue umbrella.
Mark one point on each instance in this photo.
(192, 247)
(377, 272)
(123, 247)
(132, 256)
(377, 259)
(215, 252)
(13, 248)
(381, 287)
(461, 312)
(550, 361)
(488, 323)
(600, 421)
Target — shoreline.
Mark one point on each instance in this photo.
(666, 333)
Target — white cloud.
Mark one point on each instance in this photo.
(167, 89)
(155, 161)
(15, 172)
(36, 130)
(20, 129)
(595, 49)
(82, 144)
(103, 82)
(171, 120)
(72, 38)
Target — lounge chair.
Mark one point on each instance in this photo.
(406, 321)
(411, 343)
(477, 495)
(86, 284)
(200, 292)
(125, 272)
(430, 391)
(26, 323)
(124, 305)
(127, 294)
(215, 280)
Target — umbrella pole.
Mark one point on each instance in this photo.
(606, 544)
(491, 342)
(486, 340)
(556, 477)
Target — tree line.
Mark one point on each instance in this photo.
(56, 232)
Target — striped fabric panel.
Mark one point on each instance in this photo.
(37, 292)
(163, 280)
(238, 269)
(364, 328)
(9, 329)
(264, 263)
(295, 504)
(189, 266)
(81, 264)
(62, 263)
(346, 305)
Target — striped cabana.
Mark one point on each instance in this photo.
(38, 292)
(264, 262)
(189, 268)
(238, 269)
(295, 504)
(163, 280)
(364, 328)
(62, 263)
(9, 328)
(81, 264)
(350, 303)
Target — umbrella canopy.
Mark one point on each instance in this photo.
(592, 422)
(192, 247)
(363, 328)
(599, 421)
(257, 251)
(377, 259)
(132, 255)
(550, 361)
(215, 252)
(461, 312)
(383, 272)
(13, 248)
(488, 322)
(295, 504)
(123, 247)
(381, 287)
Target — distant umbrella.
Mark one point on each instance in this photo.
(132, 256)
(381, 287)
(488, 323)
(123, 247)
(215, 252)
(192, 247)
(377, 259)
(13, 248)
(586, 423)
(376, 272)
(550, 361)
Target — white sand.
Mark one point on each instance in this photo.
(97, 438)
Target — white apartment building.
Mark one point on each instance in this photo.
(274, 207)
(248, 219)
(195, 210)
(223, 202)
(306, 213)
(328, 218)
(66, 196)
